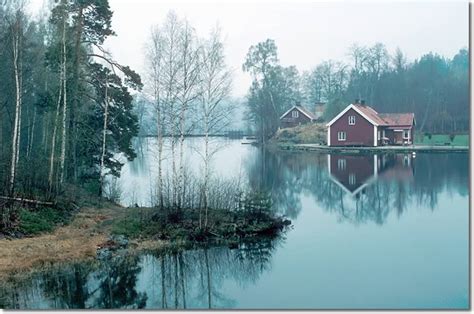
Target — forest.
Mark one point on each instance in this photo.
(434, 87)
(69, 111)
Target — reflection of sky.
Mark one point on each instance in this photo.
(417, 259)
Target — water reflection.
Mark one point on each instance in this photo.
(358, 188)
(163, 280)
(366, 223)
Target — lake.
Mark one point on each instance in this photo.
(386, 231)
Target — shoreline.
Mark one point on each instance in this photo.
(94, 229)
(378, 149)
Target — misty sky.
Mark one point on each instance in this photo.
(306, 33)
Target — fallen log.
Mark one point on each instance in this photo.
(24, 200)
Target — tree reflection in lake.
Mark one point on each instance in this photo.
(164, 280)
(358, 188)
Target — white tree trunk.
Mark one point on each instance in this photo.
(16, 130)
(104, 138)
(63, 140)
(206, 170)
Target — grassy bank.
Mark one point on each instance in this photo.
(51, 237)
(183, 226)
(442, 139)
(302, 134)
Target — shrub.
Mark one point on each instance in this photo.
(41, 220)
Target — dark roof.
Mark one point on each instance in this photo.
(307, 112)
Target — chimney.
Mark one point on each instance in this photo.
(362, 101)
(356, 101)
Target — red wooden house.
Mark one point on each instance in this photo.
(296, 115)
(360, 125)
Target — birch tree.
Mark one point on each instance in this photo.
(188, 93)
(62, 90)
(155, 62)
(16, 35)
(165, 63)
(214, 112)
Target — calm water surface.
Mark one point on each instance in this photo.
(369, 231)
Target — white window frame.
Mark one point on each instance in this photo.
(352, 120)
(407, 133)
(341, 164)
(341, 136)
(295, 114)
(352, 179)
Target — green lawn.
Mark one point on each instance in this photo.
(442, 139)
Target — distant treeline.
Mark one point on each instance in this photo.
(434, 87)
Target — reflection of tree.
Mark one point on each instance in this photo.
(117, 285)
(287, 176)
(67, 286)
(80, 286)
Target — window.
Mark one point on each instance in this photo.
(406, 134)
(295, 114)
(352, 179)
(352, 120)
(341, 164)
(341, 136)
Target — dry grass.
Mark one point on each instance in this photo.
(304, 134)
(76, 241)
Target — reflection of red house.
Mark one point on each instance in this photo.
(355, 172)
(360, 125)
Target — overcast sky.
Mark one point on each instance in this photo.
(306, 33)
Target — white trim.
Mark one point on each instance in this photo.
(339, 138)
(375, 135)
(329, 136)
(352, 179)
(403, 135)
(296, 107)
(329, 163)
(351, 106)
(376, 166)
(351, 120)
(356, 191)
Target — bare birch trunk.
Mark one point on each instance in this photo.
(160, 158)
(17, 107)
(104, 138)
(63, 141)
(181, 159)
(19, 134)
(31, 134)
(206, 171)
(56, 122)
(53, 137)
